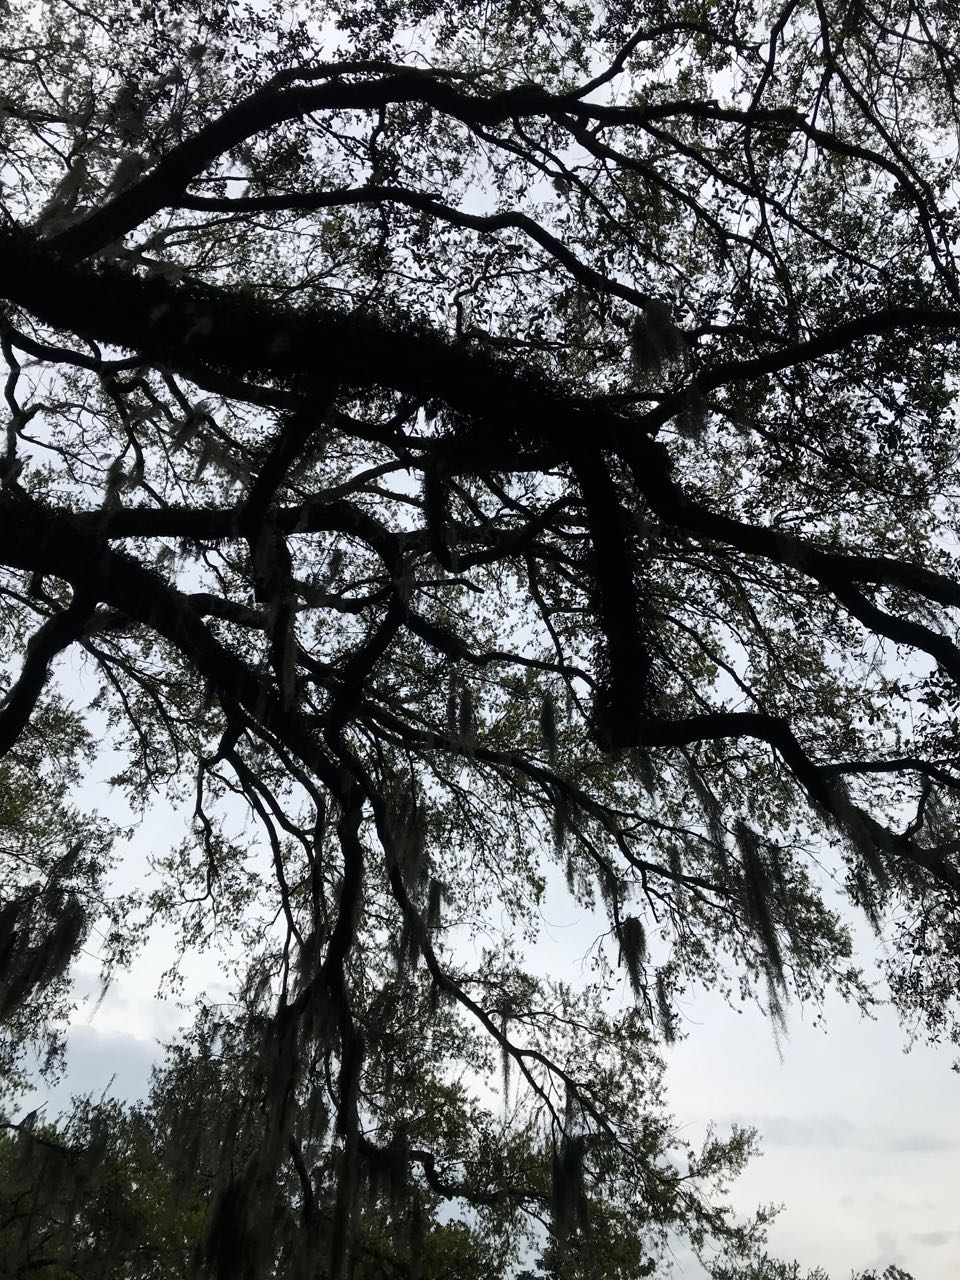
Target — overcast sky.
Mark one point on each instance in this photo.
(860, 1139)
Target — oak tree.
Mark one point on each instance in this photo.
(488, 446)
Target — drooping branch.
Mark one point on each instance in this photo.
(39, 540)
(55, 635)
(812, 777)
(837, 573)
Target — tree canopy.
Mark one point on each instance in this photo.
(457, 449)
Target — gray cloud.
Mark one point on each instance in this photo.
(832, 1130)
(888, 1245)
(933, 1238)
(808, 1131)
(919, 1142)
(879, 1199)
(99, 1061)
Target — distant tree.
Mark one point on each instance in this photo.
(767, 1268)
(482, 445)
(184, 1183)
(53, 861)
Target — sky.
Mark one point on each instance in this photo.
(860, 1140)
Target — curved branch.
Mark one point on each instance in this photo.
(303, 202)
(275, 103)
(55, 635)
(812, 777)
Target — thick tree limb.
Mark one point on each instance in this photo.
(55, 635)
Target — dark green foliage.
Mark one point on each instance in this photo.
(548, 725)
(569, 1204)
(665, 1014)
(232, 1246)
(31, 965)
(408, 839)
(92, 1197)
(466, 724)
(434, 905)
(453, 702)
(633, 949)
(562, 820)
(758, 890)
(655, 340)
